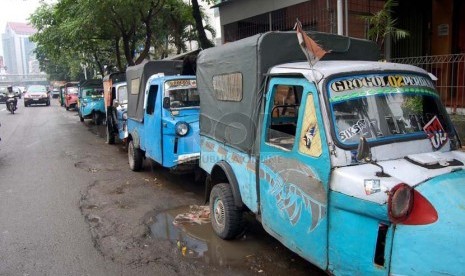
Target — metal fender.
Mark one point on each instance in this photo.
(222, 172)
(135, 137)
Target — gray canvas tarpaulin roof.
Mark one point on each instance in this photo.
(91, 83)
(115, 77)
(137, 77)
(237, 123)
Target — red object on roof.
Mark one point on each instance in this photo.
(21, 28)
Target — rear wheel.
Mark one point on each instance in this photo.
(67, 108)
(135, 157)
(227, 219)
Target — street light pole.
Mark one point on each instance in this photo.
(340, 18)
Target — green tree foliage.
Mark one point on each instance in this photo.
(197, 14)
(98, 33)
(383, 25)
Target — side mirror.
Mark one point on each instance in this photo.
(363, 150)
(166, 103)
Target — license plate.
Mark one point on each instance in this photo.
(35, 99)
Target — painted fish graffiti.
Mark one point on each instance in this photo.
(296, 190)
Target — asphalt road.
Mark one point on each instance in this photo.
(69, 205)
(42, 231)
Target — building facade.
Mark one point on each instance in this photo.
(436, 40)
(18, 49)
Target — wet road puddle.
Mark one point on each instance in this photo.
(195, 239)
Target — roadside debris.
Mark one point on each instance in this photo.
(196, 214)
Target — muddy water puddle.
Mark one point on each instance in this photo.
(256, 251)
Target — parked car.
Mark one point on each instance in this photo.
(70, 95)
(349, 162)
(116, 99)
(3, 92)
(55, 93)
(163, 121)
(91, 103)
(36, 94)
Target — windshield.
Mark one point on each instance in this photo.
(385, 107)
(72, 90)
(182, 93)
(122, 94)
(33, 89)
(92, 92)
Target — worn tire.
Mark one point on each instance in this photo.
(110, 137)
(226, 218)
(135, 157)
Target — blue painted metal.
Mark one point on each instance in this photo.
(337, 232)
(157, 134)
(91, 98)
(353, 233)
(121, 123)
(89, 105)
(434, 249)
(295, 211)
(243, 167)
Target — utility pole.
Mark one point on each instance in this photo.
(340, 18)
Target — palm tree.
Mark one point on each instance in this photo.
(382, 25)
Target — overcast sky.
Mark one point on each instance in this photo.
(15, 11)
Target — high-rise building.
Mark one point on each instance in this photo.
(18, 50)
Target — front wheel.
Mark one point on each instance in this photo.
(135, 157)
(227, 219)
(81, 118)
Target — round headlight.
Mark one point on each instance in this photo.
(125, 116)
(400, 202)
(182, 128)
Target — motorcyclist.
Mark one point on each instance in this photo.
(11, 94)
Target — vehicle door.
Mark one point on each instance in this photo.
(152, 123)
(295, 168)
(121, 97)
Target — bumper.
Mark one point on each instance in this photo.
(29, 101)
(186, 158)
(434, 249)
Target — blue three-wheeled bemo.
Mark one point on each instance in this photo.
(163, 115)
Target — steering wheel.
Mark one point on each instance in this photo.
(176, 104)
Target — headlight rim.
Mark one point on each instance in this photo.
(178, 131)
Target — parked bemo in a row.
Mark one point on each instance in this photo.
(350, 162)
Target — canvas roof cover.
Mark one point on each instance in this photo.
(137, 77)
(237, 123)
(91, 83)
(115, 77)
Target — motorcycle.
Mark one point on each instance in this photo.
(11, 103)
